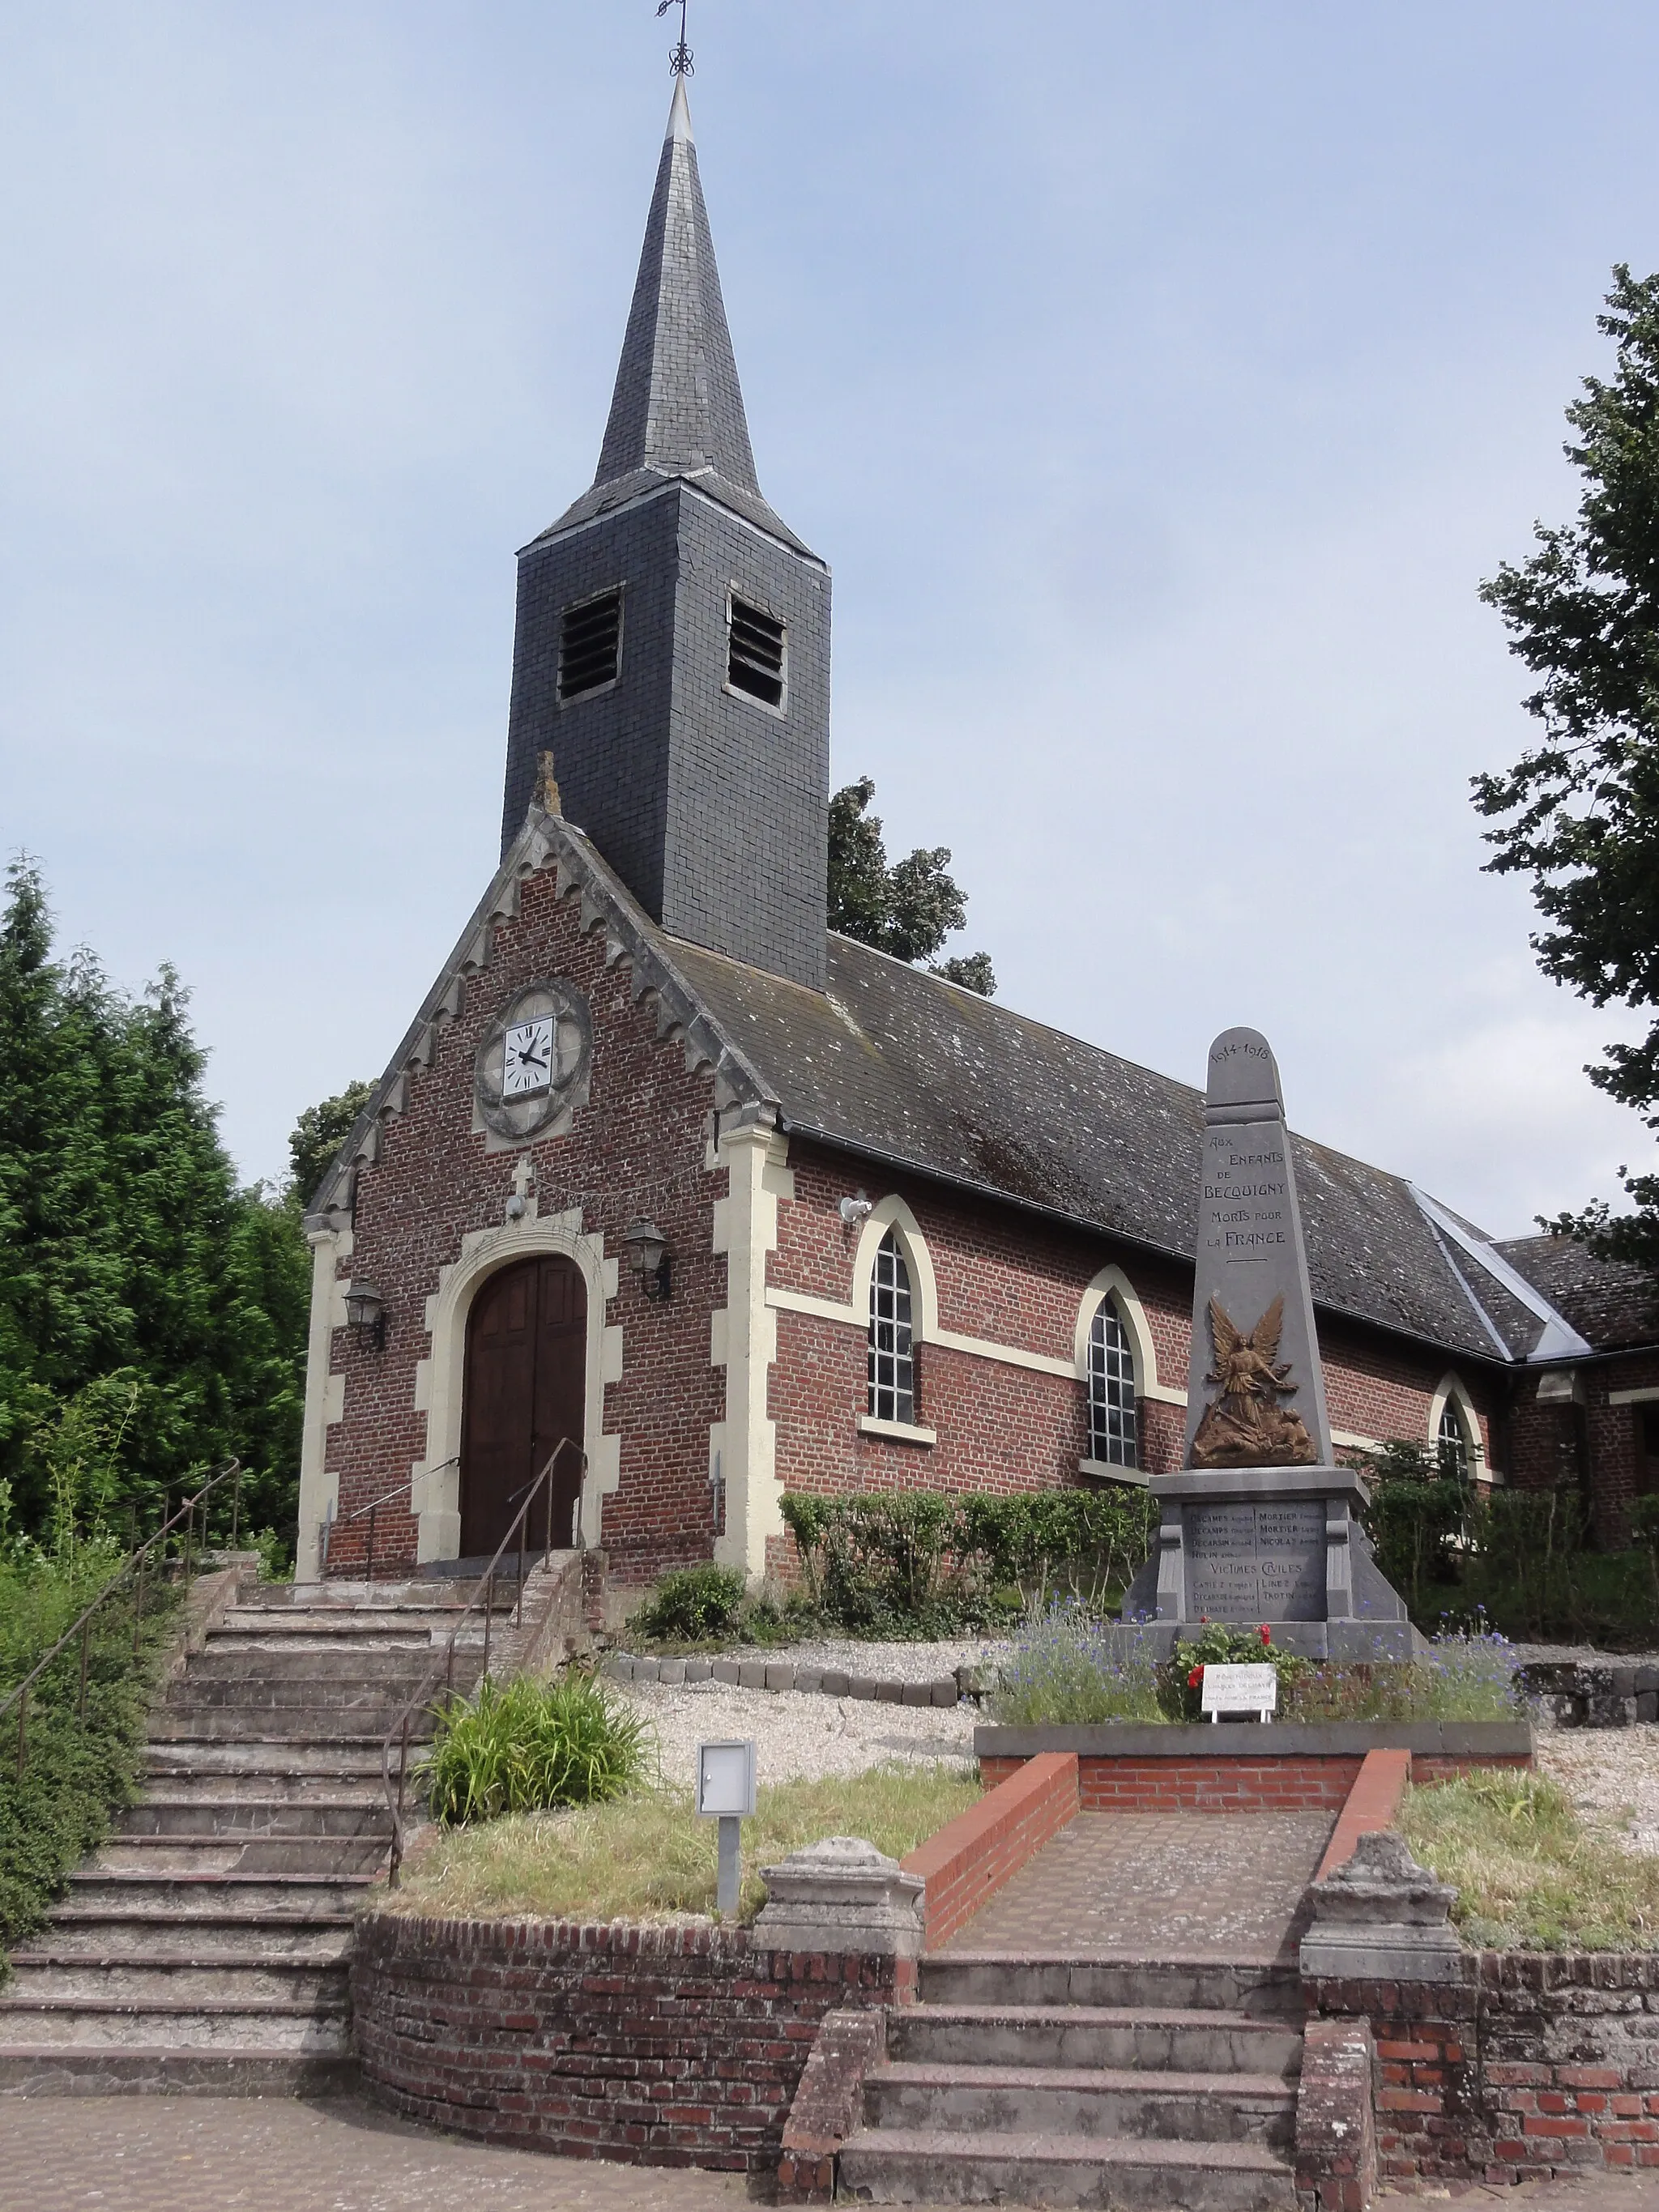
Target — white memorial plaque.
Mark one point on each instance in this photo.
(1239, 1690)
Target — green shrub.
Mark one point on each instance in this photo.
(530, 1747)
(74, 1775)
(690, 1606)
(916, 1562)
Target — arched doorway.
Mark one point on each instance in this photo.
(526, 1360)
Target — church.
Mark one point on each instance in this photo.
(666, 1166)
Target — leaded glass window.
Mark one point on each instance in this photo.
(1112, 1424)
(892, 1346)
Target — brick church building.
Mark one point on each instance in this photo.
(664, 1164)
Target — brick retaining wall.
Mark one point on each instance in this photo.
(660, 2047)
(1542, 2063)
(971, 1857)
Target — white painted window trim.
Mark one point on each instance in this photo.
(1452, 1393)
(324, 1406)
(893, 1214)
(1113, 1285)
(900, 1432)
(1136, 1477)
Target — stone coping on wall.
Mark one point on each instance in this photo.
(1250, 1739)
(782, 1674)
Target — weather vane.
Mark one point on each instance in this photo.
(679, 60)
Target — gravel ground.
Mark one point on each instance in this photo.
(887, 1663)
(1612, 1773)
(797, 1737)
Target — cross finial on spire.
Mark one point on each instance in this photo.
(679, 58)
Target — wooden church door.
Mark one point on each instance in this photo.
(526, 1367)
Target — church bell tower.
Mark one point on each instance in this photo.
(673, 642)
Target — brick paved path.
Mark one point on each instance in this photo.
(1158, 1886)
(274, 2154)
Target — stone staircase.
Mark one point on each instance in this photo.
(1099, 2083)
(206, 1947)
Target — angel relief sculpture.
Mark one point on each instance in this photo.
(1245, 1425)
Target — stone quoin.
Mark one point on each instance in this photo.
(647, 1043)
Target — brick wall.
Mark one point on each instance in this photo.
(972, 1856)
(1232, 1782)
(1543, 2063)
(657, 2046)
(636, 1148)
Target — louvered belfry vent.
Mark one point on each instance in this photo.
(755, 661)
(590, 646)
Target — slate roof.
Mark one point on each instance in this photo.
(895, 1064)
(677, 410)
(1612, 1304)
(901, 1065)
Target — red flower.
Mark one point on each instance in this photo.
(1194, 1677)
(1266, 1633)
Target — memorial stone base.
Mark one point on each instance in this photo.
(1278, 1546)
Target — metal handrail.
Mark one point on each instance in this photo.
(426, 1695)
(332, 1520)
(231, 1470)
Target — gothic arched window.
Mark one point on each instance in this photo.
(1453, 1446)
(892, 1345)
(1112, 1424)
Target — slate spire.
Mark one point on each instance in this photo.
(677, 407)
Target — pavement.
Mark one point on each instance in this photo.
(1160, 1885)
(340, 2155)
(280, 2155)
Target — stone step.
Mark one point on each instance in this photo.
(1184, 2041)
(92, 1890)
(324, 2024)
(207, 1929)
(241, 1672)
(936, 2165)
(55, 2070)
(316, 1857)
(290, 1766)
(366, 1729)
(385, 1628)
(1090, 2101)
(333, 1687)
(211, 1812)
(157, 1975)
(1259, 1987)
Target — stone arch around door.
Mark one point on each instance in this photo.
(523, 1398)
(441, 1379)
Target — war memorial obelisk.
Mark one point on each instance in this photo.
(1261, 1525)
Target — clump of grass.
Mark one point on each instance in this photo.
(530, 1746)
(649, 1857)
(1529, 1873)
(1069, 1668)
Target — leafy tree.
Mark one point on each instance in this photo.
(152, 1314)
(1579, 813)
(908, 909)
(318, 1136)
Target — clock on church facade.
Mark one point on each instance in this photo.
(664, 1167)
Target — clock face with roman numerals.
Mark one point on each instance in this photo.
(533, 1067)
(527, 1057)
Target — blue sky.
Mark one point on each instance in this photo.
(1158, 383)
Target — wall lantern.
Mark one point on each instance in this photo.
(366, 1312)
(648, 1255)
